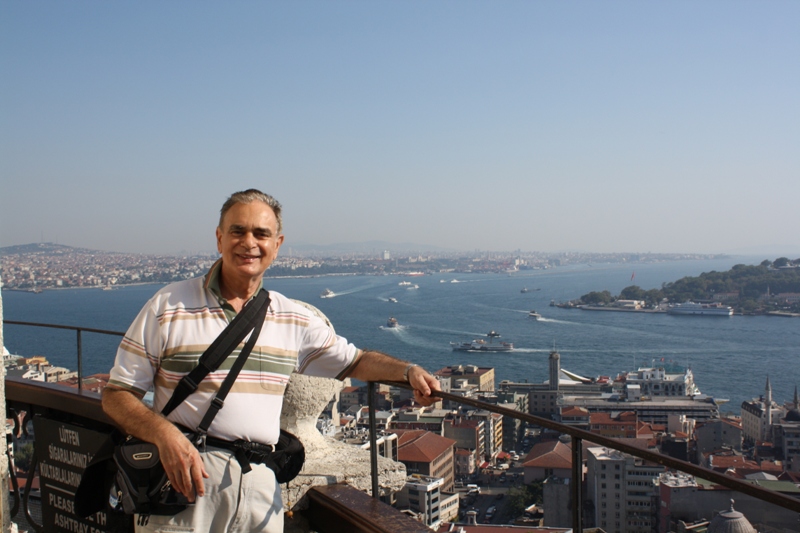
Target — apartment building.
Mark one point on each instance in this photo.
(622, 489)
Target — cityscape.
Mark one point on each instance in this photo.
(42, 266)
(573, 217)
(472, 466)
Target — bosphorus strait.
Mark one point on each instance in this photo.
(731, 357)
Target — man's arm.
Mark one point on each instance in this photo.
(377, 366)
(180, 458)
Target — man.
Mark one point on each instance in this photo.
(174, 329)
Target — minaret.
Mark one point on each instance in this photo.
(796, 399)
(555, 369)
(767, 412)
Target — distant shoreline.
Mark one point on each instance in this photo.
(119, 286)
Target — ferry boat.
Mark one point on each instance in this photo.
(404, 283)
(327, 293)
(534, 315)
(480, 345)
(692, 308)
(391, 323)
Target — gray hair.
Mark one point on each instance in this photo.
(250, 196)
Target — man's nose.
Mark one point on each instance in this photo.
(249, 240)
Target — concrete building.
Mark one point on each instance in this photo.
(423, 495)
(758, 415)
(718, 434)
(546, 459)
(493, 432)
(787, 436)
(655, 410)
(481, 377)
(427, 454)
(622, 489)
(557, 501)
(469, 434)
(683, 498)
(425, 418)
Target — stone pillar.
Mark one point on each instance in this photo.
(327, 461)
(5, 519)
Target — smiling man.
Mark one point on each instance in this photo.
(173, 330)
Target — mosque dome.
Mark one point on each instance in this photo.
(731, 521)
(793, 415)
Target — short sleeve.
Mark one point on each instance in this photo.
(139, 352)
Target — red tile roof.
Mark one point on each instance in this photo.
(549, 454)
(419, 446)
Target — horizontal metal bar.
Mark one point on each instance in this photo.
(59, 326)
(750, 489)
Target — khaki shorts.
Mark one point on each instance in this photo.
(234, 502)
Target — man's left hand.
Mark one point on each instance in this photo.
(423, 384)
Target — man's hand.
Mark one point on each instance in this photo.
(377, 366)
(181, 460)
(423, 384)
(182, 463)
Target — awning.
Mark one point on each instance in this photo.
(485, 464)
(503, 455)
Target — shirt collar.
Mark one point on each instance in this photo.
(212, 281)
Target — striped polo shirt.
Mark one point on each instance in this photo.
(181, 320)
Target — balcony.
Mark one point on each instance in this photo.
(324, 498)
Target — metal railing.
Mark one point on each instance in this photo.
(79, 340)
(578, 436)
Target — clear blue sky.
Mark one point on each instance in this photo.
(594, 126)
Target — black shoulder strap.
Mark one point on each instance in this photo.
(219, 400)
(218, 351)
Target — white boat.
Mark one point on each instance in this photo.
(692, 308)
(393, 299)
(327, 293)
(480, 345)
(392, 322)
(534, 315)
(404, 283)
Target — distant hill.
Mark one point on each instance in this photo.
(45, 248)
(365, 247)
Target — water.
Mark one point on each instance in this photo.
(731, 357)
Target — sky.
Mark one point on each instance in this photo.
(613, 126)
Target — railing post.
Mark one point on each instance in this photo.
(80, 362)
(373, 439)
(577, 485)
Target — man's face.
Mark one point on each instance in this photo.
(248, 240)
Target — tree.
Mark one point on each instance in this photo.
(520, 498)
(634, 292)
(781, 262)
(766, 263)
(22, 458)
(595, 297)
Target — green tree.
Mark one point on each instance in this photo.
(520, 498)
(781, 262)
(653, 297)
(766, 263)
(634, 292)
(595, 297)
(22, 457)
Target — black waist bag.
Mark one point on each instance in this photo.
(287, 459)
(141, 483)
